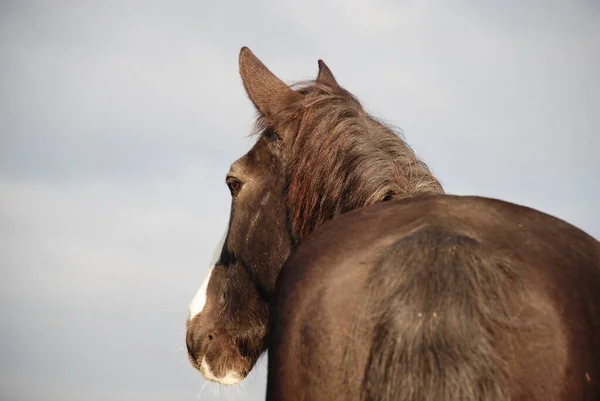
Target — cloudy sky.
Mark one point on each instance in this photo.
(118, 122)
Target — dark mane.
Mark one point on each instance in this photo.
(342, 158)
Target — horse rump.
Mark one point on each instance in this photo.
(442, 306)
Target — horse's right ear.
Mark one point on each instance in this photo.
(325, 75)
(268, 93)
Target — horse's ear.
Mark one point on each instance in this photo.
(325, 75)
(268, 93)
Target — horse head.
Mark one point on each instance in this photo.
(318, 154)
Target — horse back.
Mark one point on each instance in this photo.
(439, 298)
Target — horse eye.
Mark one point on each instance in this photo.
(271, 135)
(234, 185)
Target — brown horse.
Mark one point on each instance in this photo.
(410, 295)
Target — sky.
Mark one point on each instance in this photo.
(119, 120)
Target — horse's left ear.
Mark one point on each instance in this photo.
(268, 93)
(325, 75)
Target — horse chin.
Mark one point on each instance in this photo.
(231, 377)
(222, 367)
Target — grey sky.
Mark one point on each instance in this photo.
(118, 122)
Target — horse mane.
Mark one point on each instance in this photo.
(340, 158)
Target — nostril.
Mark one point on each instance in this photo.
(197, 342)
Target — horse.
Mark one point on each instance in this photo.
(345, 259)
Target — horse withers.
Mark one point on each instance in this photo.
(405, 293)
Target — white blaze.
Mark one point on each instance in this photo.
(199, 300)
